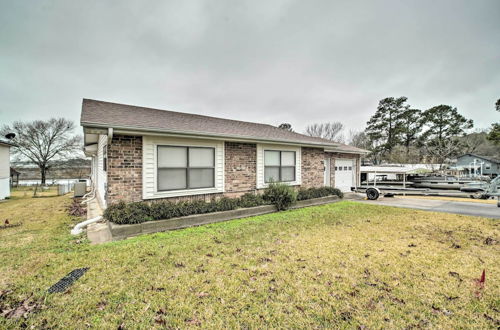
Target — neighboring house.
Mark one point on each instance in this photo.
(476, 164)
(5, 169)
(146, 154)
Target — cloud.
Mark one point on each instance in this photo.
(273, 62)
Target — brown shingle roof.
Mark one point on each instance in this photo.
(107, 114)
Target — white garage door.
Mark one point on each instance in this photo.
(344, 174)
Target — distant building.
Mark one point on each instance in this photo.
(472, 164)
(5, 169)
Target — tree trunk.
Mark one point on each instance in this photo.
(43, 171)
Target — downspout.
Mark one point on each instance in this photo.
(110, 134)
(78, 229)
(92, 191)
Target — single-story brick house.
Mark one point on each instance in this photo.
(146, 154)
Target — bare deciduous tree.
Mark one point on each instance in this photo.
(358, 139)
(330, 131)
(43, 141)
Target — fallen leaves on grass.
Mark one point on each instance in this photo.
(7, 224)
(102, 305)
(193, 321)
(479, 283)
(202, 294)
(490, 241)
(455, 275)
(20, 309)
(76, 209)
(438, 310)
(159, 319)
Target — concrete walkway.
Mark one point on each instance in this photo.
(99, 232)
(465, 208)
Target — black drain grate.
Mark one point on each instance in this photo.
(67, 280)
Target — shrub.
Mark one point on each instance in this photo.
(281, 195)
(251, 200)
(226, 204)
(123, 213)
(163, 210)
(310, 193)
(138, 212)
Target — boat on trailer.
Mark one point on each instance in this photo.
(442, 182)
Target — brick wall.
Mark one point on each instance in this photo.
(312, 167)
(124, 169)
(240, 168)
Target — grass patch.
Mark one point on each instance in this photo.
(340, 265)
(34, 192)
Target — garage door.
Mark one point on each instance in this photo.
(344, 174)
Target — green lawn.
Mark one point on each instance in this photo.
(340, 265)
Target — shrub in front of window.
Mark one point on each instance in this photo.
(138, 212)
(251, 200)
(281, 195)
(163, 210)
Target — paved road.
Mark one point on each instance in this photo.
(465, 208)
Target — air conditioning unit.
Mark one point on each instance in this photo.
(80, 189)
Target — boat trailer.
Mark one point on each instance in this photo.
(374, 192)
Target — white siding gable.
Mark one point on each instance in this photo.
(4, 172)
(149, 167)
(4, 162)
(101, 175)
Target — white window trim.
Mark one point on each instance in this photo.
(261, 184)
(150, 173)
(187, 167)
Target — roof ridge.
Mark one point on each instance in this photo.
(96, 112)
(219, 118)
(182, 113)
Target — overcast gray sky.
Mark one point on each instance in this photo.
(265, 61)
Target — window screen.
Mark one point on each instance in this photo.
(279, 166)
(185, 168)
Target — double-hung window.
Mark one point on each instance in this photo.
(279, 166)
(185, 168)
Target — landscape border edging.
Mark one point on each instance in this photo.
(119, 232)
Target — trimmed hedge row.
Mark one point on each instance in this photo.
(138, 212)
(311, 193)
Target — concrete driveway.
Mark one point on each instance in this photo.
(465, 207)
